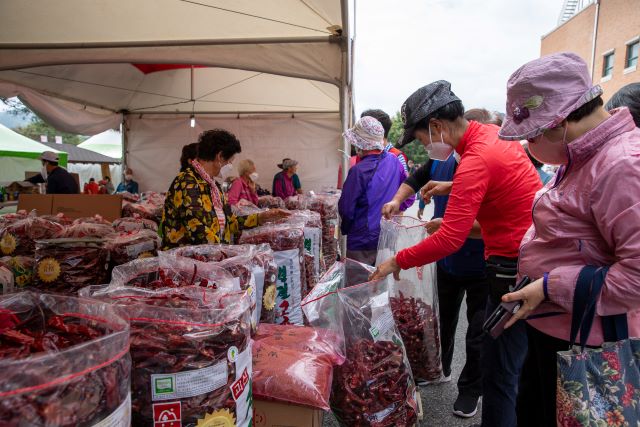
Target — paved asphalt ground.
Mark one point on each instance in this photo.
(437, 400)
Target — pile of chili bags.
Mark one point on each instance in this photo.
(67, 265)
(294, 364)
(414, 300)
(134, 223)
(287, 242)
(312, 226)
(149, 206)
(270, 202)
(374, 386)
(326, 205)
(191, 353)
(253, 265)
(64, 361)
(19, 234)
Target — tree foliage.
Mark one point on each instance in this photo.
(414, 150)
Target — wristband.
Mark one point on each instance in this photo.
(545, 286)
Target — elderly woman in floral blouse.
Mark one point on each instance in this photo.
(196, 210)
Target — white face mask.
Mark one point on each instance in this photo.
(128, 177)
(226, 171)
(549, 152)
(43, 172)
(438, 150)
(254, 176)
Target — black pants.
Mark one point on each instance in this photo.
(537, 395)
(451, 290)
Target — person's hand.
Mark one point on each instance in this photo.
(433, 225)
(390, 209)
(435, 188)
(531, 295)
(386, 268)
(420, 213)
(273, 215)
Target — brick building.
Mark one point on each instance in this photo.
(613, 57)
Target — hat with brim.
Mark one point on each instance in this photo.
(287, 163)
(49, 156)
(543, 93)
(421, 104)
(367, 134)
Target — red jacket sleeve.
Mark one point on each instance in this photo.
(470, 184)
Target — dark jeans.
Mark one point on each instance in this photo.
(451, 290)
(502, 358)
(537, 397)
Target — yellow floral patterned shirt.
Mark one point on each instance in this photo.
(189, 217)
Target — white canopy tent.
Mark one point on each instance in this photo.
(108, 143)
(275, 72)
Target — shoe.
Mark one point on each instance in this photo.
(466, 406)
(421, 383)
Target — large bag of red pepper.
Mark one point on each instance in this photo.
(294, 364)
(64, 361)
(67, 265)
(150, 273)
(191, 354)
(18, 236)
(86, 229)
(134, 223)
(287, 242)
(245, 262)
(414, 300)
(270, 202)
(127, 246)
(312, 224)
(374, 386)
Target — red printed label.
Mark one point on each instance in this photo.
(167, 414)
(238, 387)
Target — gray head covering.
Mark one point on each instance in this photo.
(423, 103)
(287, 163)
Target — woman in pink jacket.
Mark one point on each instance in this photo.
(589, 214)
(244, 187)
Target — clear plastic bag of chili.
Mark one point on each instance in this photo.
(67, 265)
(294, 364)
(270, 202)
(245, 207)
(191, 352)
(134, 223)
(18, 237)
(287, 242)
(86, 229)
(414, 300)
(64, 361)
(148, 273)
(374, 386)
(22, 269)
(127, 246)
(244, 262)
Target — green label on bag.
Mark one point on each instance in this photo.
(164, 385)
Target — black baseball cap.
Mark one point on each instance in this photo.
(421, 104)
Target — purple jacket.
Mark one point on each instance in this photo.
(371, 183)
(590, 215)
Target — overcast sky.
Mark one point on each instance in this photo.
(474, 44)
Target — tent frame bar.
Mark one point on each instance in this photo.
(164, 43)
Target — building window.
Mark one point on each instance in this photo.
(607, 64)
(631, 59)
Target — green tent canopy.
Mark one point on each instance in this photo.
(19, 154)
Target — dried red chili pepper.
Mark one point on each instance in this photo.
(63, 361)
(128, 246)
(418, 326)
(18, 237)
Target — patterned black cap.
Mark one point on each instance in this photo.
(421, 104)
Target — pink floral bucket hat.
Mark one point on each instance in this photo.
(367, 134)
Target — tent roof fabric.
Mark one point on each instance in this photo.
(12, 144)
(80, 155)
(108, 143)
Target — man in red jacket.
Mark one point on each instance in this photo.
(495, 183)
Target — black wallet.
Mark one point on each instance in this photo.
(494, 325)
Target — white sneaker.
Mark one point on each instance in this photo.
(421, 383)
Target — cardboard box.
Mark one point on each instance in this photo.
(73, 205)
(42, 203)
(274, 414)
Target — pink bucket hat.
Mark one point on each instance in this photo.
(366, 134)
(543, 92)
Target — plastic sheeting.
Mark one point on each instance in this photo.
(155, 144)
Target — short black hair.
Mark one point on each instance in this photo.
(628, 96)
(107, 177)
(51, 163)
(212, 142)
(449, 112)
(481, 115)
(380, 116)
(189, 152)
(92, 179)
(585, 110)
